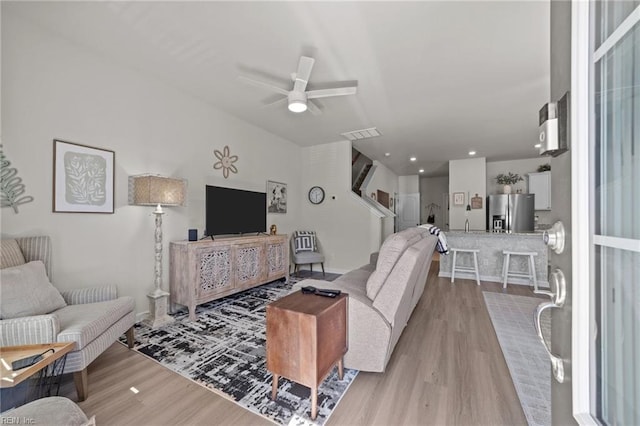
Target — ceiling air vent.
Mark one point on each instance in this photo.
(361, 134)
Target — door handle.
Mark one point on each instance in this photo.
(554, 237)
(558, 296)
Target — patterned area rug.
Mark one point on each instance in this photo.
(225, 352)
(512, 318)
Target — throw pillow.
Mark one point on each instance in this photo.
(304, 241)
(10, 254)
(26, 291)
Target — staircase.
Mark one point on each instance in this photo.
(363, 175)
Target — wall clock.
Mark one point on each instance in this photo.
(316, 195)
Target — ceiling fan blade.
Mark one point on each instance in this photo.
(263, 84)
(304, 72)
(336, 91)
(313, 108)
(278, 101)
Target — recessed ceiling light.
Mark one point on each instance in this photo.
(421, 171)
(472, 153)
(538, 145)
(412, 159)
(387, 154)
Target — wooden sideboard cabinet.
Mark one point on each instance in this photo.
(201, 271)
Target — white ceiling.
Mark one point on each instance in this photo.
(437, 79)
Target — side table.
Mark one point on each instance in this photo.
(306, 337)
(48, 369)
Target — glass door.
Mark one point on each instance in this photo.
(607, 343)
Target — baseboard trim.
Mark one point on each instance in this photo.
(318, 268)
(141, 316)
(511, 280)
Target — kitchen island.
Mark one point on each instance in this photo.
(490, 257)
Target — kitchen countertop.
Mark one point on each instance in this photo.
(490, 255)
(500, 234)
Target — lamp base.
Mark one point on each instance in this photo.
(158, 309)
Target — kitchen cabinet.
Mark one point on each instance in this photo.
(540, 184)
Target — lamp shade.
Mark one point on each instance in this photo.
(150, 190)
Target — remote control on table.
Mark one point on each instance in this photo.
(25, 362)
(328, 293)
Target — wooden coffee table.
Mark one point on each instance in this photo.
(306, 337)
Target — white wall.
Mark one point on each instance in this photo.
(467, 176)
(521, 167)
(432, 190)
(383, 179)
(53, 89)
(408, 184)
(346, 228)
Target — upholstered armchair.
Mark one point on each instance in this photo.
(305, 250)
(33, 311)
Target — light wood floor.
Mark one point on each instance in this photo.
(447, 369)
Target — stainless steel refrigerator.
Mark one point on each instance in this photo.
(510, 213)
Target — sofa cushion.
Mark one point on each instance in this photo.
(305, 257)
(26, 291)
(10, 254)
(355, 279)
(390, 252)
(394, 299)
(304, 241)
(83, 323)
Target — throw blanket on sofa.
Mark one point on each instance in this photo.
(441, 246)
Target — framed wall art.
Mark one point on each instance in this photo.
(476, 202)
(383, 198)
(458, 198)
(83, 178)
(276, 197)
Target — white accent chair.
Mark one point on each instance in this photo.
(307, 255)
(94, 317)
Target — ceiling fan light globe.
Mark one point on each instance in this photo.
(297, 106)
(297, 101)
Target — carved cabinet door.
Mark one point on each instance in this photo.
(249, 264)
(277, 258)
(214, 273)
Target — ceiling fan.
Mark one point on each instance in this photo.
(299, 99)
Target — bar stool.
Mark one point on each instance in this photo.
(455, 267)
(531, 272)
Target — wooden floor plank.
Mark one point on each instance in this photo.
(447, 369)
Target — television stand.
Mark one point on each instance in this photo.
(201, 271)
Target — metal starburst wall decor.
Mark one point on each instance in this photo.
(225, 161)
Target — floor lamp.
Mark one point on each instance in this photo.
(150, 190)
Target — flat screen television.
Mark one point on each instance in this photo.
(234, 211)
